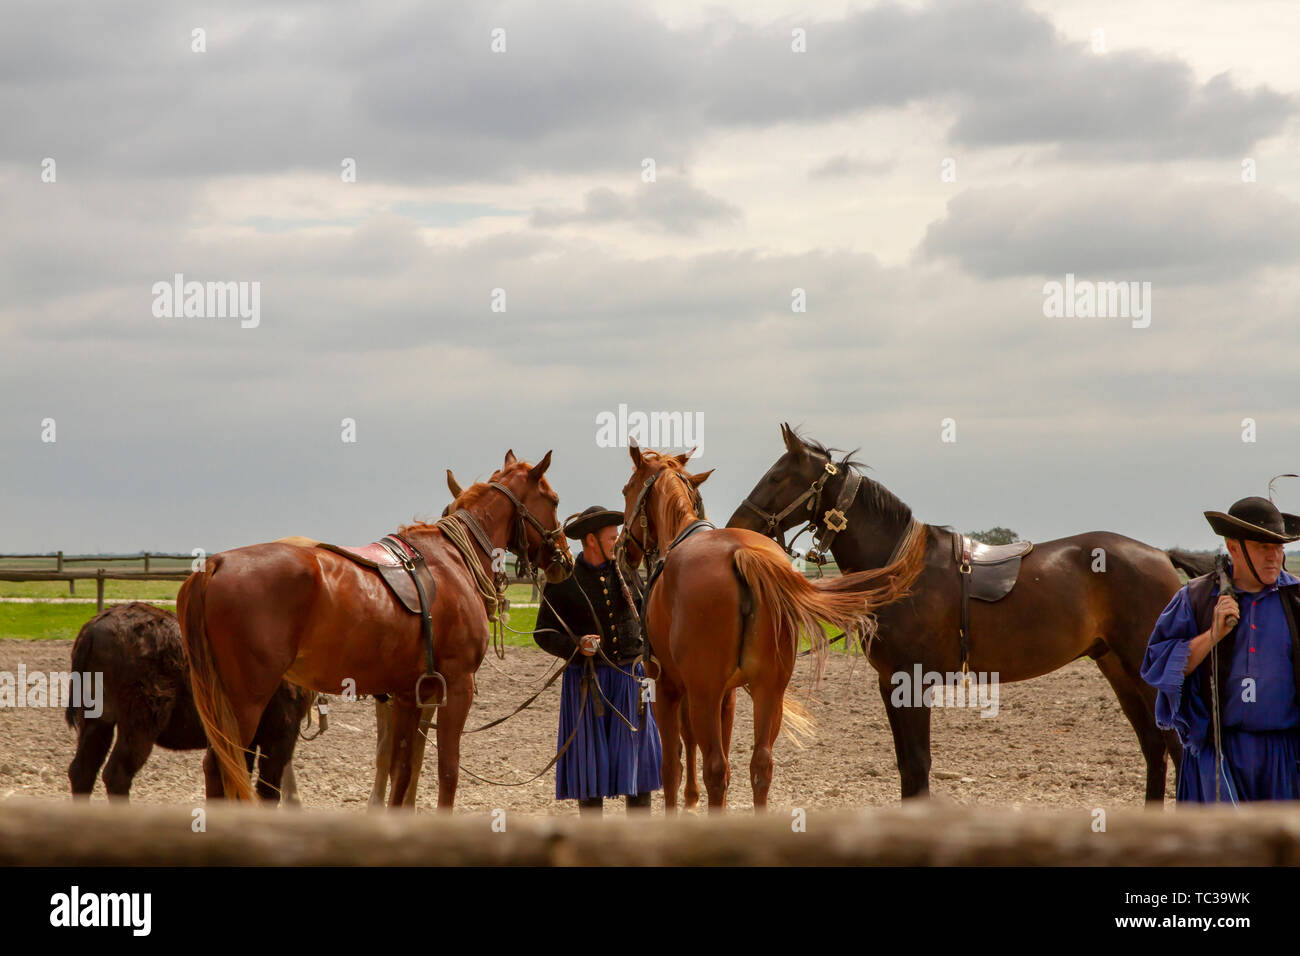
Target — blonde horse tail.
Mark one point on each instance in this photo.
(210, 697)
(797, 606)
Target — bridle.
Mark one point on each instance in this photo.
(835, 519)
(552, 538)
(640, 516)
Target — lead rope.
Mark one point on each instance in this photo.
(490, 588)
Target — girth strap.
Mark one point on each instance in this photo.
(413, 561)
(961, 552)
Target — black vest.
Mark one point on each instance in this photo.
(1201, 592)
(572, 602)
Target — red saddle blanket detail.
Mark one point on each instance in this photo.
(395, 575)
(375, 553)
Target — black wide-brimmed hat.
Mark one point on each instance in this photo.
(590, 521)
(1255, 519)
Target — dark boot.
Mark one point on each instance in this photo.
(595, 806)
(640, 803)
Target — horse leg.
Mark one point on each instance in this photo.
(769, 705)
(728, 722)
(417, 754)
(1174, 747)
(706, 708)
(404, 719)
(213, 788)
(451, 722)
(134, 744)
(911, 729)
(94, 738)
(692, 797)
(275, 771)
(383, 751)
(289, 785)
(668, 704)
(1139, 713)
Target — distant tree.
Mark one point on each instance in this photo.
(998, 535)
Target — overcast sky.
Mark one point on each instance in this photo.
(1101, 139)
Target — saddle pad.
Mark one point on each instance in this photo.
(378, 558)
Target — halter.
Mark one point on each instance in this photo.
(640, 516)
(551, 537)
(835, 519)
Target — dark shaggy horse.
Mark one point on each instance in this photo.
(146, 697)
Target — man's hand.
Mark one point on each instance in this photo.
(588, 644)
(1225, 609)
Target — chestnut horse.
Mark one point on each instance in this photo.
(725, 610)
(286, 610)
(1062, 608)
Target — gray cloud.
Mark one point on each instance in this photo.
(673, 206)
(1137, 228)
(414, 93)
(844, 166)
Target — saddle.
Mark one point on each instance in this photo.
(993, 567)
(987, 573)
(404, 570)
(390, 557)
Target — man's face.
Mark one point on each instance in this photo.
(602, 542)
(1268, 559)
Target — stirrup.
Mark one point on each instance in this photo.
(420, 683)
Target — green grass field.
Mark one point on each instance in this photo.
(54, 621)
(45, 622)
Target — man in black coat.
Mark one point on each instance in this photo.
(588, 620)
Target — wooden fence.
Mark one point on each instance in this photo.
(60, 571)
(67, 833)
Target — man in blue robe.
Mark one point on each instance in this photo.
(588, 620)
(1258, 754)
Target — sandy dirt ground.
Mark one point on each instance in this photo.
(1059, 741)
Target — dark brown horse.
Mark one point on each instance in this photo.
(726, 610)
(1063, 607)
(258, 614)
(146, 700)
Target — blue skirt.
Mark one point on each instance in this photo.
(606, 758)
(1256, 766)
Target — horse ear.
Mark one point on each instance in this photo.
(685, 456)
(634, 450)
(539, 469)
(453, 485)
(697, 480)
(792, 444)
(510, 459)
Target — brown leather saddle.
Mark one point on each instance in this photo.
(988, 572)
(404, 570)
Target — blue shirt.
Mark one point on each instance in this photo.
(1261, 684)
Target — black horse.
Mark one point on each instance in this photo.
(146, 697)
(1066, 605)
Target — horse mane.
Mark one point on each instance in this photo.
(881, 500)
(678, 501)
(472, 495)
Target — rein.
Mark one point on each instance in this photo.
(835, 518)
